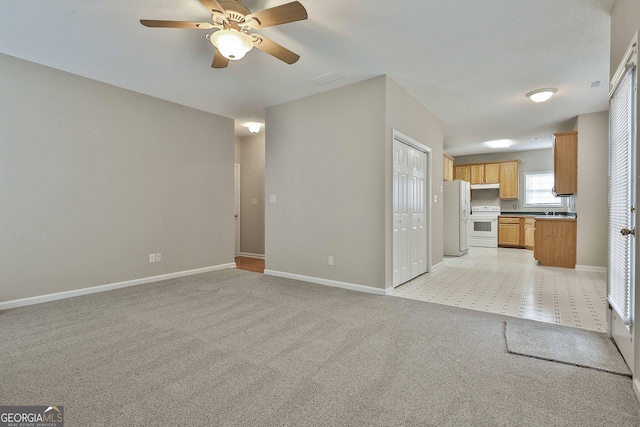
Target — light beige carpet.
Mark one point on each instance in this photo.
(235, 348)
(579, 347)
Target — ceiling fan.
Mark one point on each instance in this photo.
(233, 21)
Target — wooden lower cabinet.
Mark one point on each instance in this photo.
(509, 231)
(516, 232)
(555, 241)
(529, 230)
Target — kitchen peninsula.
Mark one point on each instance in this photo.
(555, 240)
(552, 237)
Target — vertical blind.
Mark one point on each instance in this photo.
(621, 165)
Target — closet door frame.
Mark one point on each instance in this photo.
(412, 143)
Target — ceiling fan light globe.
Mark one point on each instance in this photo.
(231, 44)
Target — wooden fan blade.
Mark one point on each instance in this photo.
(176, 24)
(274, 49)
(278, 15)
(214, 7)
(219, 61)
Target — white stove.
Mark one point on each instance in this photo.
(483, 226)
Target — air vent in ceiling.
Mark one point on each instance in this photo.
(326, 79)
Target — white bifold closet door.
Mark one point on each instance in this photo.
(409, 213)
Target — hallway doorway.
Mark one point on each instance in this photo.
(250, 264)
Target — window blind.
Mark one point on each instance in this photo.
(538, 187)
(621, 164)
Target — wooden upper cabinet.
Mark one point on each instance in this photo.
(492, 173)
(477, 174)
(485, 173)
(463, 172)
(509, 184)
(447, 168)
(565, 163)
(505, 173)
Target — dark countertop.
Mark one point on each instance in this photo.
(555, 218)
(540, 214)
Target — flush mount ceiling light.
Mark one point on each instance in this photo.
(253, 127)
(541, 95)
(499, 143)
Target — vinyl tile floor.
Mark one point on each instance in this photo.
(510, 282)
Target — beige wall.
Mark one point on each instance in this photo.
(591, 201)
(328, 164)
(236, 150)
(94, 178)
(625, 21)
(252, 189)
(325, 163)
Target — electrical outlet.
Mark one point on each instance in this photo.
(152, 258)
(158, 257)
(514, 206)
(330, 259)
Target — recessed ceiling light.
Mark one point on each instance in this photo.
(499, 143)
(541, 95)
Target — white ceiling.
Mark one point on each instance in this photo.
(470, 62)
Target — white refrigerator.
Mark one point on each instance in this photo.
(456, 199)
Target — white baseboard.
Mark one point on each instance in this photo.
(438, 266)
(250, 255)
(5, 305)
(332, 283)
(591, 268)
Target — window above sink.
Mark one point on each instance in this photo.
(538, 190)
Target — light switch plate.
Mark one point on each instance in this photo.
(152, 258)
(272, 198)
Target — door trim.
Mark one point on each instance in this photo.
(237, 192)
(404, 139)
